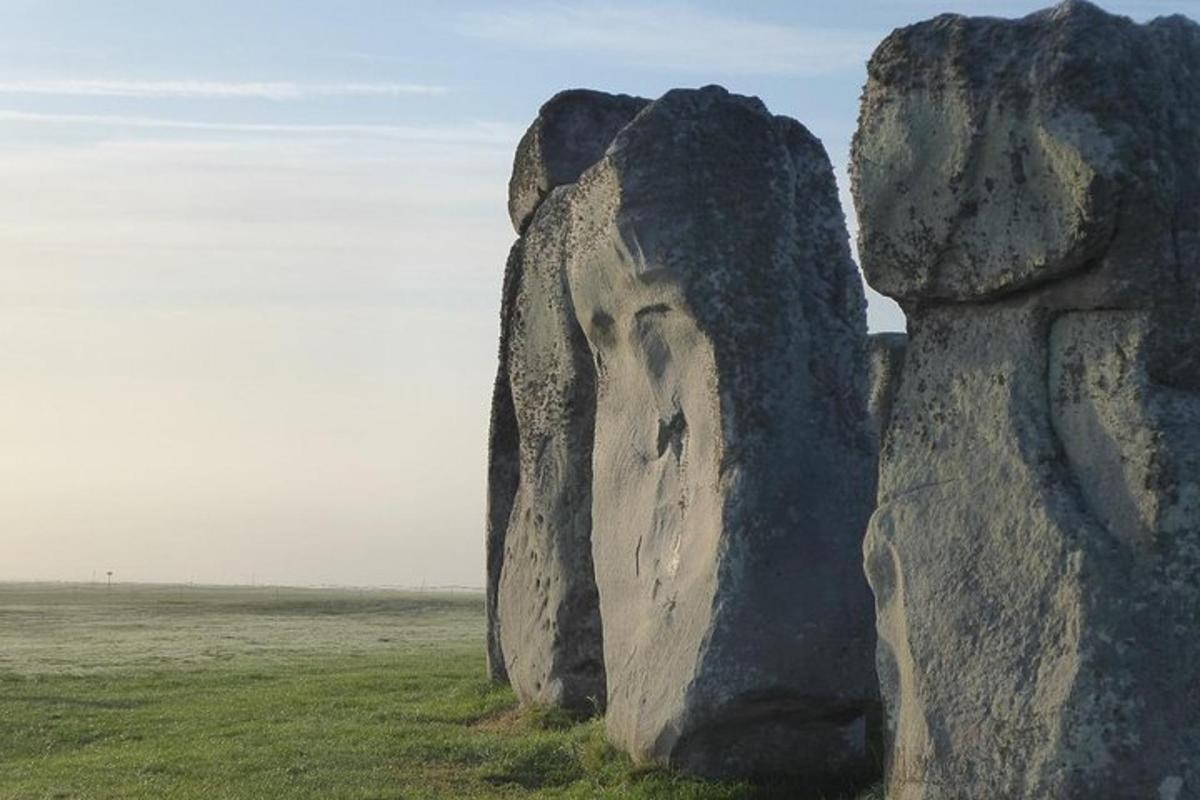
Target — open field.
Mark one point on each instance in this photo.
(205, 692)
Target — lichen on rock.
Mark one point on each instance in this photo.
(1029, 190)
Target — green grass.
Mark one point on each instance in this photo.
(199, 692)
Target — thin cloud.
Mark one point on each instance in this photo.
(674, 37)
(260, 90)
(477, 132)
(359, 55)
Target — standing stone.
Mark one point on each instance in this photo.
(885, 363)
(734, 460)
(543, 618)
(548, 610)
(1030, 192)
(503, 467)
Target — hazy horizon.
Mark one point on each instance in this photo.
(252, 260)
(101, 582)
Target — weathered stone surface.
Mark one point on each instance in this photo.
(548, 610)
(544, 632)
(571, 132)
(999, 155)
(972, 555)
(1034, 559)
(503, 466)
(885, 362)
(1036, 549)
(734, 459)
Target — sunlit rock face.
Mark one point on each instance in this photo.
(548, 609)
(733, 461)
(1006, 155)
(544, 632)
(1028, 192)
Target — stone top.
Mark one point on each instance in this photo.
(994, 156)
(571, 132)
(709, 194)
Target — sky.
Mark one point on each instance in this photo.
(250, 258)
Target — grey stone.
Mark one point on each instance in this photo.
(885, 363)
(1036, 546)
(571, 132)
(548, 610)
(544, 632)
(734, 462)
(503, 467)
(1034, 558)
(995, 156)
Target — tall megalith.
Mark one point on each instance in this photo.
(733, 461)
(1029, 191)
(544, 631)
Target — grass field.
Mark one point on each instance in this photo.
(204, 692)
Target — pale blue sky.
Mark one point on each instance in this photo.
(250, 257)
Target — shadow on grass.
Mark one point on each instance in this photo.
(549, 749)
(538, 768)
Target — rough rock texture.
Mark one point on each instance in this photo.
(571, 132)
(885, 362)
(549, 617)
(734, 460)
(1003, 155)
(503, 467)
(544, 632)
(1028, 191)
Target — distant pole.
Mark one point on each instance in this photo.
(110, 578)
